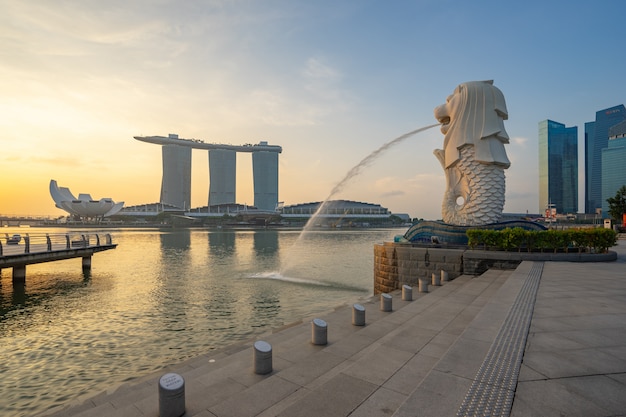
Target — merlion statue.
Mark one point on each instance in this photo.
(473, 155)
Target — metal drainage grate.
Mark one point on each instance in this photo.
(492, 392)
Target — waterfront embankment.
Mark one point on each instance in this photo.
(545, 339)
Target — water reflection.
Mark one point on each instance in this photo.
(39, 288)
(222, 242)
(266, 242)
(178, 239)
(161, 297)
(86, 274)
(265, 309)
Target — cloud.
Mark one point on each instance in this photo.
(427, 181)
(418, 184)
(419, 193)
(393, 193)
(303, 98)
(267, 106)
(520, 141)
(13, 158)
(316, 70)
(323, 82)
(520, 195)
(58, 161)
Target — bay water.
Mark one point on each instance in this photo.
(161, 297)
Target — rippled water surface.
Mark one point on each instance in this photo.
(161, 297)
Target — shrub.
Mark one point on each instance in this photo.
(597, 240)
(473, 237)
(515, 238)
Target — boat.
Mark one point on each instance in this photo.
(13, 240)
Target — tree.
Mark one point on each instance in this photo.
(395, 219)
(617, 204)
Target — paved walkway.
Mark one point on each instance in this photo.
(548, 339)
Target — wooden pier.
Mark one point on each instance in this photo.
(18, 251)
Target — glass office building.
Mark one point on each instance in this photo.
(558, 167)
(613, 164)
(597, 139)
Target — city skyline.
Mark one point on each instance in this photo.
(177, 175)
(613, 167)
(558, 167)
(328, 82)
(596, 140)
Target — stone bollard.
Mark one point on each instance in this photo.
(385, 302)
(319, 332)
(262, 357)
(423, 285)
(444, 276)
(358, 315)
(171, 395)
(435, 280)
(407, 293)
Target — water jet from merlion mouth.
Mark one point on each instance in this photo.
(356, 170)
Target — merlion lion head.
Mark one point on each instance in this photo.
(474, 115)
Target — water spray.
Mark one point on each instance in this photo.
(356, 170)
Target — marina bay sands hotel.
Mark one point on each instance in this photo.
(176, 181)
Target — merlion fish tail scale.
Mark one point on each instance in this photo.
(474, 191)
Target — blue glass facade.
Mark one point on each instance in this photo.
(558, 166)
(596, 139)
(613, 165)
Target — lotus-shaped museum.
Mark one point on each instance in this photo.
(84, 205)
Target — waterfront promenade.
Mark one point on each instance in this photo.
(548, 339)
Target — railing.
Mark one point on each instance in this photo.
(25, 217)
(37, 243)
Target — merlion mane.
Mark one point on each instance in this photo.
(473, 155)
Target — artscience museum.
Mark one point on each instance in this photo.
(84, 206)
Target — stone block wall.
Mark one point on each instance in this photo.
(396, 264)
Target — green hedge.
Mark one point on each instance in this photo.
(597, 240)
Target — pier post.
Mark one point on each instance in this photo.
(86, 262)
(262, 357)
(423, 285)
(358, 315)
(385, 302)
(444, 276)
(19, 274)
(319, 332)
(435, 279)
(171, 395)
(407, 293)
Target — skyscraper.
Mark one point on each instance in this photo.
(596, 139)
(265, 176)
(558, 167)
(222, 176)
(176, 180)
(613, 164)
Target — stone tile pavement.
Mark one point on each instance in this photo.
(504, 342)
(575, 357)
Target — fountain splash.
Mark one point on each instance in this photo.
(277, 276)
(356, 170)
